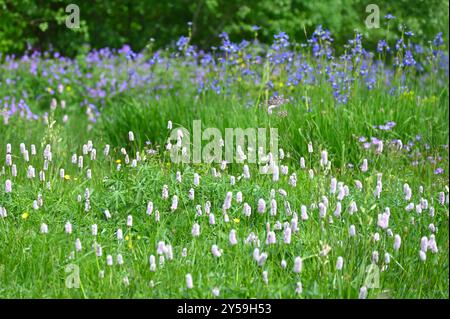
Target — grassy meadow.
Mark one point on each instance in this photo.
(91, 205)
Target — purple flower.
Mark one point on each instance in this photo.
(400, 44)
(409, 59)
(182, 43)
(438, 41)
(381, 45)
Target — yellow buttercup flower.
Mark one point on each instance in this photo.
(67, 177)
(118, 161)
(127, 238)
(25, 215)
(236, 220)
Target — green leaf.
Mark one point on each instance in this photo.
(43, 26)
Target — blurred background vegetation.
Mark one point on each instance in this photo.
(40, 24)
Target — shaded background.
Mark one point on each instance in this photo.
(40, 24)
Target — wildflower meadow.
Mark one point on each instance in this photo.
(246, 169)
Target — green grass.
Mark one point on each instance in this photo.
(32, 265)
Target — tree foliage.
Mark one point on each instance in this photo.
(40, 24)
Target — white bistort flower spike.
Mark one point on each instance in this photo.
(44, 228)
(196, 230)
(298, 265)
(189, 283)
(8, 186)
(363, 292)
(232, 237)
